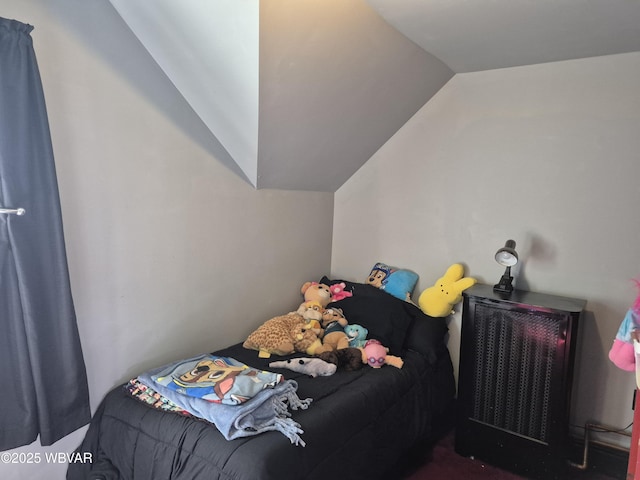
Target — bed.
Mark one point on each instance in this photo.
(360, 424)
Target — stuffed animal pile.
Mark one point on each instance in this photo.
(318, 330)
(289, 333)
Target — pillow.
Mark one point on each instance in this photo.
(427, 335)
(375, 310)
(397, 282)
(390, 320)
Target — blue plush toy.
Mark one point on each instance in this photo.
(397, 282)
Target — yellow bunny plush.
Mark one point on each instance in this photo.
(438, 301)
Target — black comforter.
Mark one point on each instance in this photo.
(359, 424)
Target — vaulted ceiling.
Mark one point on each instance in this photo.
(302, 93)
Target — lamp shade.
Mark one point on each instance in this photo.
(507, 255)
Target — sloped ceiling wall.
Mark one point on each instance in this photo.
(210, 51)
(336, 82)
(475, 35)
(301, 93)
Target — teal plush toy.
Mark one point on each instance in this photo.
(357, 335)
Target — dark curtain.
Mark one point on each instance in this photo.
(44, 382)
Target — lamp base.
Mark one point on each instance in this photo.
(504, 286)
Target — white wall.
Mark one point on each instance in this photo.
(211, 55)
(170, 252)
(547, 155)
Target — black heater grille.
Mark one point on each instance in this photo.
(514, 367)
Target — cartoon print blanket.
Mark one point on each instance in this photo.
(149, 396)
(239, 400)
(216, 379)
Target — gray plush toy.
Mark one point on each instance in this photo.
(313, 367)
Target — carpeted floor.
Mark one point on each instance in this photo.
(445, 464)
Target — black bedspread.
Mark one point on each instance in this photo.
(358, 426)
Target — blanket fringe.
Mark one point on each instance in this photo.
(290, 429)
(289, 399)
(281, 404)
